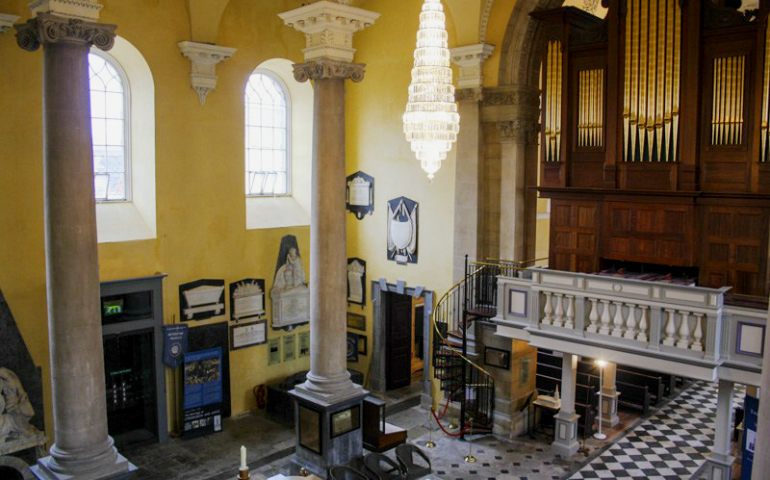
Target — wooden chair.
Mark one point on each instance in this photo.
(381, 467)
(379, 435)
(406, 458)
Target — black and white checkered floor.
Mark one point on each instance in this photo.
(670, 445)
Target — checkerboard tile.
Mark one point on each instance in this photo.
(670, 445)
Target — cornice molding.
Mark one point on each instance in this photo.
(204, 59)
(79, 9)
(329, 28)
(7, 21)
(47, 29)
(470, 59)
(324, 69)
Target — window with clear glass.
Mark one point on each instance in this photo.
(109, 129)
(267, 136)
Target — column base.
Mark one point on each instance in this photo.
(610, 409)
(566, 442)
(330, 391)
(120, 469)
(719, 467)
(327, 434)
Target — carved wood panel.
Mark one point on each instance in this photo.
(575, 235)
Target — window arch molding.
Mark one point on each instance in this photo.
(134, 219)
(286, 150)
(291, 210)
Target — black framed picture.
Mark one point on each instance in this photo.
(247, 299)
(248, 335)
(201, 299)
(346, 421)
(359, 194)
(310, 429)
(495, 357)
(362, 344)
(356, 322)
(352, 347)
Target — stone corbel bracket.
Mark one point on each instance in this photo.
(470, 59)
(204, 59)
(329, 28)
(7, 21)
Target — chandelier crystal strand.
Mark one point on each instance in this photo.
(431, 121)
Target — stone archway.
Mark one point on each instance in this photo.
(519, 80)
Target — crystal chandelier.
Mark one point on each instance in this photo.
(431, 121)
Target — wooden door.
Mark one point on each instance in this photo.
(418, 313)
(398, 340)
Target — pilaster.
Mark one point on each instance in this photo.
(7, 21)
(565, 441)
(719, 462)
(204, 59)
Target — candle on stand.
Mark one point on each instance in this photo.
(243, 459)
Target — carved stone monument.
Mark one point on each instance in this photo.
(290, 294)
(16, 433)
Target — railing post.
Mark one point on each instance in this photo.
(465, 371)
(580, 314)
(656, 323)
(713, 336)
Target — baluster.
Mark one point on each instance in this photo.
(570, 323)
(605, 328)
(558, 319)
(618, 322)
(548, 311)
(697, 335)
(631, 323)
(669, 339)
(593, 317)
(643, 324)
(684, 331)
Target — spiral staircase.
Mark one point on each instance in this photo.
(465, 384)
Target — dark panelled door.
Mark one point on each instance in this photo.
(398, 340)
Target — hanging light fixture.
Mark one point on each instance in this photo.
(431, 121)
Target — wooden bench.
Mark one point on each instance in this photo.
(379, 435)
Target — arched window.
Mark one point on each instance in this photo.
(268, 160)
(109, 128)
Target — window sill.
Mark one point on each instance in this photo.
(275, 212)
(122, 222)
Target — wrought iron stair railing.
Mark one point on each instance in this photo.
(464, 382)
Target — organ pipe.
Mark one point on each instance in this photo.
(728, 100)
(652, 78)
(591, 108)
(553, 89)
(764, 131)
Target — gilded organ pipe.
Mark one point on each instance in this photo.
(591, 108)
(764, 131)
(728, 101)
(553, 91)
(652, 79)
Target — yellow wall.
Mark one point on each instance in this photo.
(200, 166)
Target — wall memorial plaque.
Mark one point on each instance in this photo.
(247, 299)
(402, 230)
(346, 421)
(356, 322)
(201, 299)
(310, 429)
(289, 348)
(274, 351)
(290, 294)
(202, 392)
(357, 281)
(248, 335)
(304, 344)
(360, 194)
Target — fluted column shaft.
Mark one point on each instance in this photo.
(328, 378)
(82, 446)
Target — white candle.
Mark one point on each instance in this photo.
(243, 459)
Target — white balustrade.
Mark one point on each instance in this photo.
(697, 335)
(670, 329)
(593, 317)
(630, 332)
(605, 328)
(548, 310)
(684, 340)
(558, 318)
(618, 322)
(570, 322)
(643, 325)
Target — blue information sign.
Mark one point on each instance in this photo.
(203, 391)
(174, 344)
(749, 436)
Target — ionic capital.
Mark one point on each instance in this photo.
(47, 29)
(325, 68)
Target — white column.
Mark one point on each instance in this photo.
(566, 432)
(470, 59)
(719, 463)
(762, 462)
(610, 396)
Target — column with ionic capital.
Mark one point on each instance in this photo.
(328, 391)
(470, 60)
(66, 30)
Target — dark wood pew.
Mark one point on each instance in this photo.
(379, 435)
(669, 381)
(653, 383)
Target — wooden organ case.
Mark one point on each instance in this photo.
(654, 139)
